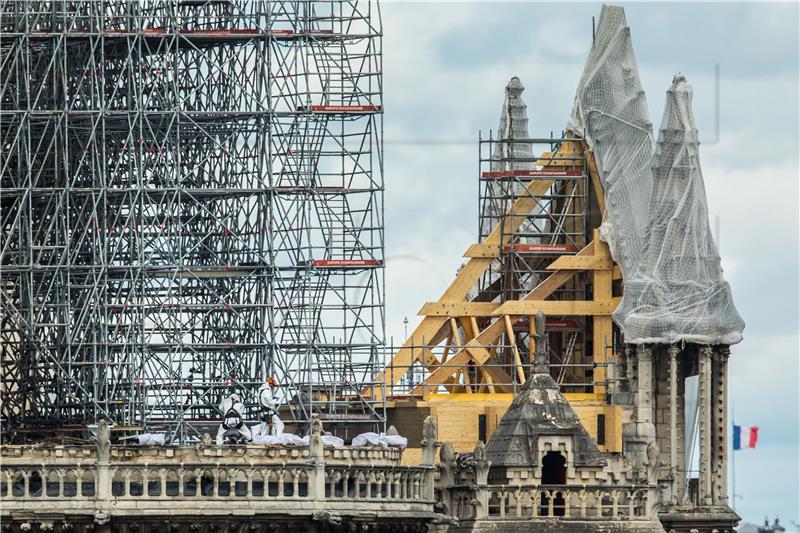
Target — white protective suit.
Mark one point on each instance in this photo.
(273, 428)
(232, 409)
(267, 398)
(273, 425)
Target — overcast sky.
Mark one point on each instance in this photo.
(445, 67)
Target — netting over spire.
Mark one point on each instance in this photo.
(610, 112)
(656, 220)
(677, 292)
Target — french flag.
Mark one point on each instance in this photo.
(752, 437)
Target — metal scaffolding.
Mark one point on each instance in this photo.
(557, 225)
(191, 202)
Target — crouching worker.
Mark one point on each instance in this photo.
(271, 424)
(233, 430)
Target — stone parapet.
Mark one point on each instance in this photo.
(90, 487)
(70, 455)
(518, 502)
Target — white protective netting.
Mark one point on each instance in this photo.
(674, 290)
(677, 292)
(610, 113)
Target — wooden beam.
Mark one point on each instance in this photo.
(474, 350)
(489, 381)
(555, 308)
(483, 250)
(520, 308)
(473, 323)
(466, 325)
(465, 280)
(566, 262)
(602, 328)
(446, 351)
(555, 280)
(492, 332)
(597, 184)
(476, 266)
(513, 340)
(602, 249)
(455, 334)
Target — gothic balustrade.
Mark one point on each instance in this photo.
(405, 483)
(546, 501)
(29, 481)
(218, 480)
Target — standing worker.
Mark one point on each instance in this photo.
(271, 424)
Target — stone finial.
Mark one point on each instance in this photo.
(447, 462)
(481, 463)
(447, 454)
(316, 446)
(541, 365)
(206, 441)
(678, 78)
(515, 87)
(653, 452)
(103, 441)
(429, 431)
(429, 442)
(391, 431)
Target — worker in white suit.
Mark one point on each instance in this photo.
(233, 430)
(271, 424)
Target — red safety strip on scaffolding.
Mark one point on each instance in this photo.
(542, 248)
(219, 33)
(348, 263)
(196, 33)
(341, 108)
(546, 172)
(561, 325)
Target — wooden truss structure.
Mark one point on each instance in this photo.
(479, 341)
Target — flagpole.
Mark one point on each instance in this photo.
(733, 460)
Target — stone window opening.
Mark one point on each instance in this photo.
(554, 472)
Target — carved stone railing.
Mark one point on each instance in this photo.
(30, 481)
(547, 501)
(230, 480)
(169, 481)
(107, 482)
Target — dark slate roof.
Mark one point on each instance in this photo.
(538, 409)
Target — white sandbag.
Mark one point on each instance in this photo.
(394, 441)
(290, 439)
(284, 439)
(330, 440)
(327, 440)
(266, 440)
(367, 439)
(382, 439)
(152, 439)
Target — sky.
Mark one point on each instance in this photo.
(445, 69)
